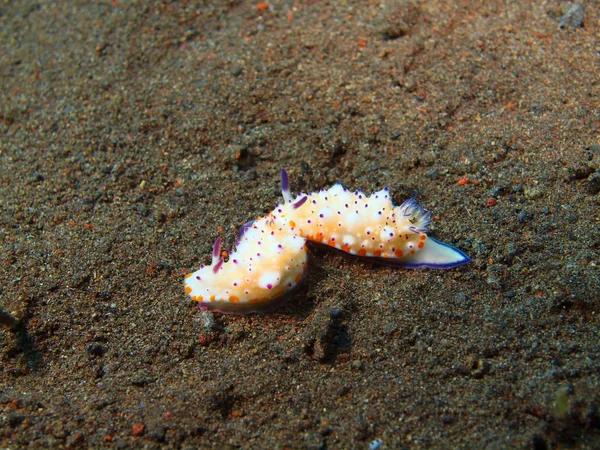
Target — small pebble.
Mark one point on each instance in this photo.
(374, 445)
(205, 339)
(390, 328)
(499, 190)
(7, 319)
(15, 419)
(433, 173)
(142, 378)
(462, 297)
(523, 216)
(573, 17)
(208, 320)
(394, 31)
(592, 186)
(156, 431)
(94, 349)
(495, 275)
(138, 429)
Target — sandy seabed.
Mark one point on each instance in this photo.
(133, 134)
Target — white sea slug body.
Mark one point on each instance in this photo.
(270, 257)
(269, 260)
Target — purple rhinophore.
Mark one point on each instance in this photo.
(244, 229)
(300, 202)
(285, 181)
(217, 248)
(218, 265)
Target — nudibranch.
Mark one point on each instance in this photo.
(270, 256)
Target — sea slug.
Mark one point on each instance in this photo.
(270, 256)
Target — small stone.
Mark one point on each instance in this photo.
(208, 320)
(523, 216)
(357, 364)
(577, 173)
(138, 429)
(592, 186)
(94, 349)
(573, 17)
(142, 210)
(142, 378)
(15, 419)
(121, 443)
(374, 445)
(157, 432)
(462, 297)
(495, 274)
(335, 313)
(390, 328)
(9, 320)
(394, 31)
(205, 339)
(74, 440)
(433, 173)
(532, 192)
